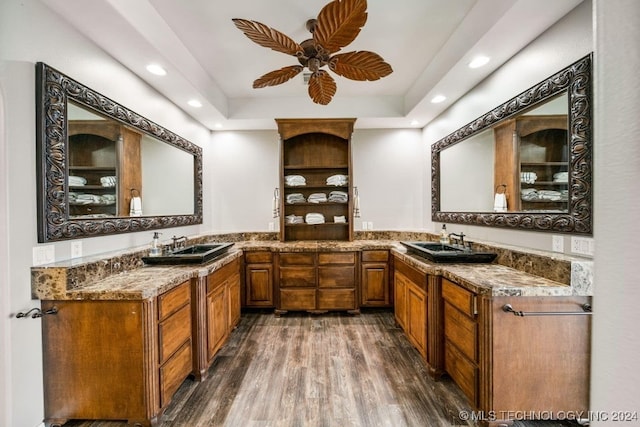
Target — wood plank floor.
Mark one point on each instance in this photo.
(317, 370)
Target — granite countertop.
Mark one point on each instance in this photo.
(140, 283)
(488, 279)
(145, 281)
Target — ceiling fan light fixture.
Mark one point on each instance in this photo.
(337, 25)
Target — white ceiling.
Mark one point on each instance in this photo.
(429, 44)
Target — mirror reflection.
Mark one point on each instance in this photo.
(526, 164)
(518, 165)
(104, 169)
(118, 171)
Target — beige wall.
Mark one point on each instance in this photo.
(615, 372)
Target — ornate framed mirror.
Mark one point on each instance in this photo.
(527, 164)
(104, 169)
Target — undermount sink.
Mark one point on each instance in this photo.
(196, 254)
(443, 253)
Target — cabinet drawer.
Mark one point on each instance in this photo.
(458, 297)
(461, 331)
(297, 276)
(219, 276)
(336, 299)
(258, 257)
(173, 332)
(297, 258)
(172, 300)
(173, 373)
(462, 371)
(336, 258)
(337, 277)
(297, 299)
(375, 256)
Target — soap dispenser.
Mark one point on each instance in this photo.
(156, 249)
(444, 236)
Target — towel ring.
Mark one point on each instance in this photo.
(501, 185)
(133, 191)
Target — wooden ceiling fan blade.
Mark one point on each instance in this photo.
(361, 65)
(322, 87)
(339, 23)
(277, 77)
(268, 37)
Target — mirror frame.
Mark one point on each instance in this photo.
(53, 90)
(576, 79)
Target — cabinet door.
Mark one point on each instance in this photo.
(417, 318)
(375, 284)
(400, 298)
(259, 285)
(233, 289)
(216, 319)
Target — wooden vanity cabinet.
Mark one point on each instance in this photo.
(375, 290)
(218, 295)
(316, 281)
(115, 360)
(410, 296)
(258, 279)
(528, 364)
(461, 339)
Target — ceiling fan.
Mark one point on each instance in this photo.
(337, 25)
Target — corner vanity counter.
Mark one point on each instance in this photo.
(515, 343)
(120, 345)
(141, 330)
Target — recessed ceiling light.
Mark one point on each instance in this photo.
(218, 125)
(479, 61)
(194, 103)
(156, 69)
(414, 123)
(438, 99)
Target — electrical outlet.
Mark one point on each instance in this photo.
(557, 243)
(76, 249)
(271, 226)
(364, 225)
(370, 225)
(43, 254)
(582, 245)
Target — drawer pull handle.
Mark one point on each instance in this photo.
(586, 310)
(36, 312)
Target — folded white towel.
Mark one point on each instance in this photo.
(314, 218)
(295, 180)
(337, 180)
(339, 219)
(317, 198)
(135, 206)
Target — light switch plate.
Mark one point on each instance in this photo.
(582, 245)
(44, 254)
(557, 243)
(76, 249)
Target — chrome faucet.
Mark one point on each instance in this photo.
(178, 242)
(459, 237)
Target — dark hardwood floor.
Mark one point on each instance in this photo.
(317, 370)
